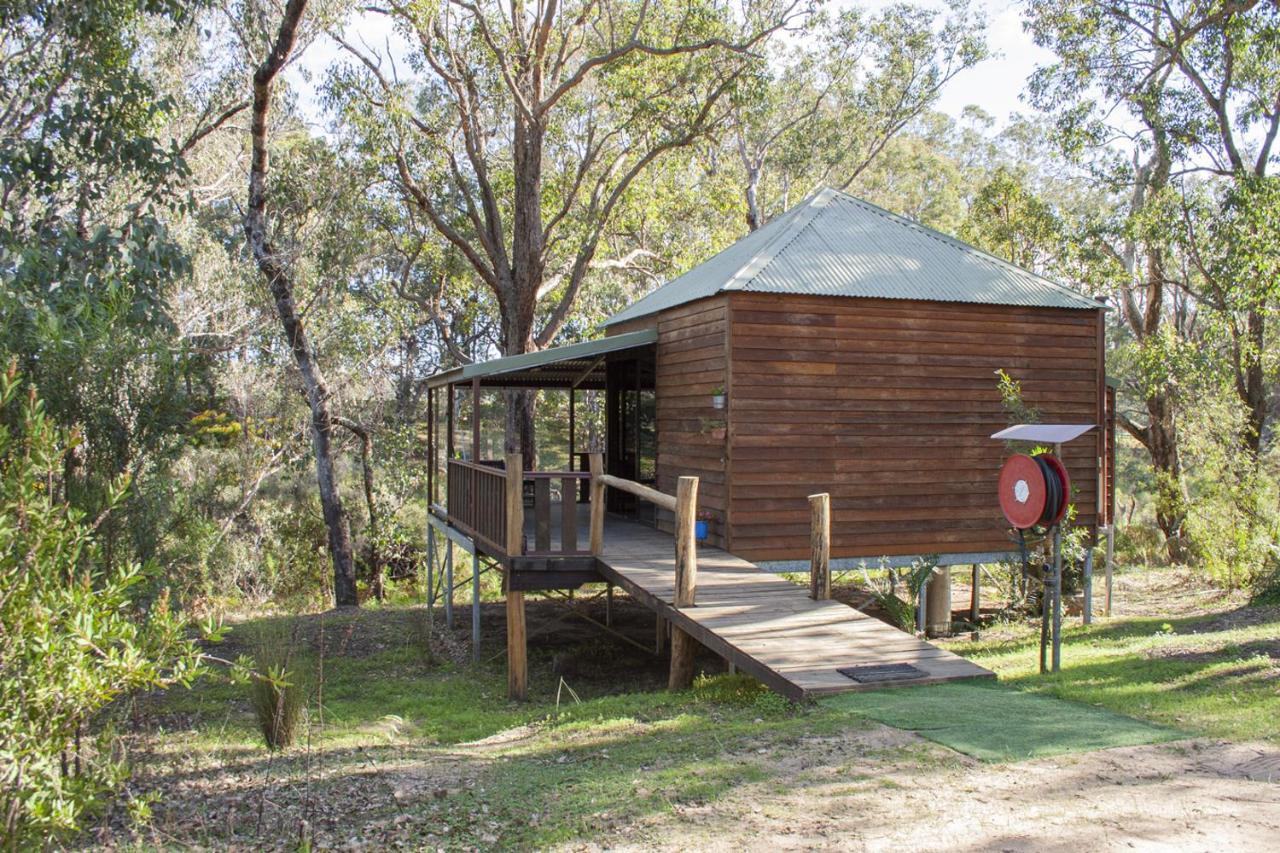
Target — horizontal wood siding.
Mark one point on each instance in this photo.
(691, 363)
(888, 406)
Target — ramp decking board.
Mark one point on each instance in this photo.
(765, 625)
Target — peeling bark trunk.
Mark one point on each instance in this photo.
(281, 285)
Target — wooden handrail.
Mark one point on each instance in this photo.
(661, 499)
(685, 506)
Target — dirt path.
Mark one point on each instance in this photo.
(1191, 795)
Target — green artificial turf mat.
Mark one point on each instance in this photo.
(996, 723)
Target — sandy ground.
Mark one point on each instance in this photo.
(1196, 795)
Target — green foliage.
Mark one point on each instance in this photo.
(1233, 515)
(1010, 220)
(74, 633)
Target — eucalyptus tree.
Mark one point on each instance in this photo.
(528, 124)
(823, 110)
(1226, 60)
(1107, 89)
(276, 269)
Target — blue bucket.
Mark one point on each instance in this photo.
(700, 530)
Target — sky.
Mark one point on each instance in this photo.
(995, 84)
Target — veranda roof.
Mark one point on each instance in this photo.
(579, 365)
(833, 244)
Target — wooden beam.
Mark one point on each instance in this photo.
(475, 420)
(820, 547)
(517, 640)
(686, 511)
(654, 496)
(683, 646)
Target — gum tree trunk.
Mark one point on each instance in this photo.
(281, 285)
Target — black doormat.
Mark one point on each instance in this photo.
(882, 672)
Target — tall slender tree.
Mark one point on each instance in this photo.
(275, 270)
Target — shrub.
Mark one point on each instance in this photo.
(75, 635)
(275, 689)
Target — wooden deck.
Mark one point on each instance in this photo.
(765, 625)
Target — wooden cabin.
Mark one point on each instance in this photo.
(839, 349)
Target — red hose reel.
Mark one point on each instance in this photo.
(1034, 490)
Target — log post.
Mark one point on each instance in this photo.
(683, 646)
(820, 547)
(596, 469)
(517, 657)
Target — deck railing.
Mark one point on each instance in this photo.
(478, 504)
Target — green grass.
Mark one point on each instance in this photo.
(432, 754)
(1209, 675)
(994, 722)
(392, 719)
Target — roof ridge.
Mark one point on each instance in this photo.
(960, 244)
(804, 214)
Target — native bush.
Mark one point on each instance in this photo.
(75, 634)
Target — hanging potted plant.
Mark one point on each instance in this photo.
(717, 397)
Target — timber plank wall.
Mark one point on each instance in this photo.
(885, 404)
(692, 361)
(889, 405)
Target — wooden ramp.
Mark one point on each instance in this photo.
(767, 626)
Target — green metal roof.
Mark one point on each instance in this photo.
(575, 365)
(833, 244)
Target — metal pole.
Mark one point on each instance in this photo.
(1111, 550)
(920, 605)
(1057, 596)
(1044, 615)
(1088, 586)
(448, 585)
(475, 606)
(431, 575)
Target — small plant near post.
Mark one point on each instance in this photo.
(718, 397)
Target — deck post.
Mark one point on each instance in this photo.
(820, 547)
(938, 609)
(517, 658)
(596, 467)
(475, 604)
(448, 584)
(1111, 552)
(683, 646)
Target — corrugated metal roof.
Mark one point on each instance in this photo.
(833, 244)
(559, 365)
